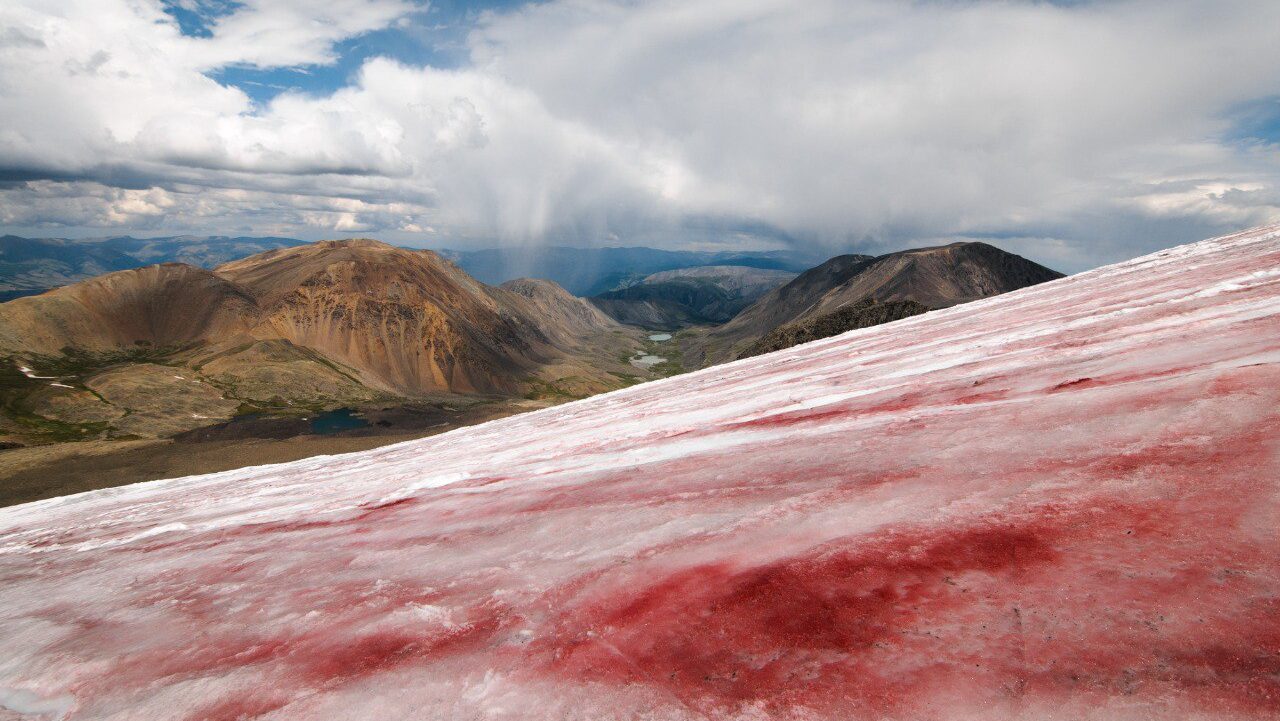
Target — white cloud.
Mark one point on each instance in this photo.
(1090, 129)
(275, 33)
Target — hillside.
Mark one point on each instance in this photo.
(1055, 503)
(291, 330)
(159, 305)
(548, 300)
(674, 299)
(936, 277)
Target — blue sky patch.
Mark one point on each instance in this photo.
(435, 36)
(195, 18)
(1256, 121)
(407, 45)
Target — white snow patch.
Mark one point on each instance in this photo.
(158, 530)
(23, 701)
(429, 482)
(1235, 284)
(28, 372)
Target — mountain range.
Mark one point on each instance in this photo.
(33, 265)
(592, 271)
(160, 349)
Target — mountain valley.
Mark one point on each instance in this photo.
(674, 299)
(157, 366)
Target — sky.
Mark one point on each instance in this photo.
(1075, 133)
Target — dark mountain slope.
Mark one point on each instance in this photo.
(862, 314)
(934, 277)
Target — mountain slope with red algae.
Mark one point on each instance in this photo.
(1060, 503)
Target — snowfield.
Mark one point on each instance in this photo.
(1061, 503)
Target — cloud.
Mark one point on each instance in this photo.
(1089, 131)
(277, 33)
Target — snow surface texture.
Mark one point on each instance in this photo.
(1062, 503)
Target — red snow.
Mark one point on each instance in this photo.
(1063, 503)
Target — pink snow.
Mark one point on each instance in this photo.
(1061, 503)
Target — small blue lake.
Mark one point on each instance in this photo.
(343, 419)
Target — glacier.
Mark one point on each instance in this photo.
(1058, 503)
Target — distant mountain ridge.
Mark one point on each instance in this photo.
(592, 271)
(552, 301)
(29, 265)
(205, 251)
(33, 265)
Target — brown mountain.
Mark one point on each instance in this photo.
(572, 316)
(328, 324)
(408, 319)
(933, 277)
